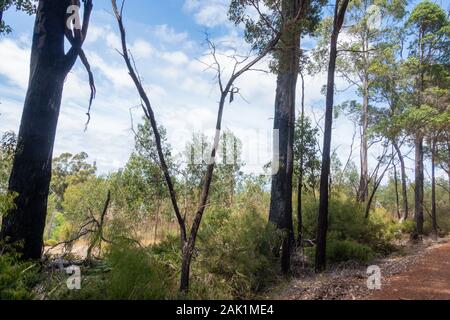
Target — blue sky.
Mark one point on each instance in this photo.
(166, 38)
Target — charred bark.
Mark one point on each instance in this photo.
(288, 68)
(23, 226)
(322, 224)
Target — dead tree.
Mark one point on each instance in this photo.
(227, 91)
(32, 166)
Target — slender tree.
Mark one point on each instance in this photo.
(322, 225)
(429, 29)
(32, 167)
(227, 90)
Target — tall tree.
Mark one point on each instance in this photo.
(429, 29)
(322, 225)
(297, 18)
(307, 165)
(32, 167)
(227, 91)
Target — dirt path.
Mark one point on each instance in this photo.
(428, 279)
(420, 272)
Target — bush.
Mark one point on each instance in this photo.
(237, 249)
(129, 273)
(348, 250)
(135, 274)
(351, 235)
(16, 278)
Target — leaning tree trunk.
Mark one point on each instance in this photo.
(281, 196)
(32, 166)
(419, 193)
(403, 178)
(322, 224)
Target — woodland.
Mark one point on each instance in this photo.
(195, 224)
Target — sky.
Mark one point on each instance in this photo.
(167, 39)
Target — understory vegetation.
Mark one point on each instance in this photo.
(193, 223)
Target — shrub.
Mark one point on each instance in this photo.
(135, 274)
(16, 278)
(129, 273)
(351, 235)
(348, 250)
(237, 249)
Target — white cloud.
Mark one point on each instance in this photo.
(168, 35)
(14, 62)
(209, 13)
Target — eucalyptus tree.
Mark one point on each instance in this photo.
(32, 165)
(298, 18)
(307, 165)
(227, 90)
(340, 10)
(429, 33)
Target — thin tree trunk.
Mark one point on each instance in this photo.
(32, 166)
(433, 191)
(322, 225)
(404, 183)
(397, 198)
(300, 175)
(419, 192)
(364, 179)
(155, 237)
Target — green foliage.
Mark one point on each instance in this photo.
(16, 278)
(68, 170)
(351, 235)
(306, 152)
(348, 250)
(136, 275)
(237, 247)
(27, 6)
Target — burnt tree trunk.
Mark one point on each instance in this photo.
(322, 224)
(288, 69)
(31, 173)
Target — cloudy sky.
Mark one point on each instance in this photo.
(167, 40)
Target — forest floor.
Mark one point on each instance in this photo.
(415, 272)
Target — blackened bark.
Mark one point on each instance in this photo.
(23, 226)
(322, 224)
(419, 193)
(31, 172)
(288, 68)
(403, 178)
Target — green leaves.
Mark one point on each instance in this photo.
(27, 6)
